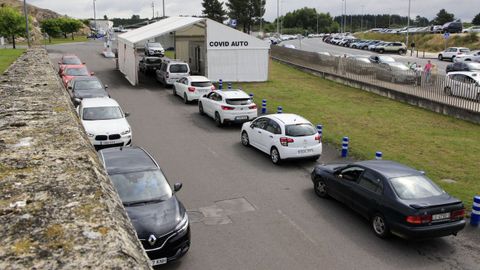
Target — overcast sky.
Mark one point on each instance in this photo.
(463, 9)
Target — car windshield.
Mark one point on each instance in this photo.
(71, 61)
(202, 84)
(77, 71)
(154, 60)
(238, 101)
(414, 187)
(142, 186)
(88, 85)
(102, 113)
(386, 59)
(299, 130)
(154, 45)
(473, 66)
(178, 68)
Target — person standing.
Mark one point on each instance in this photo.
(428, 71)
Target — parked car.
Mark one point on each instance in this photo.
(290, 46)
(149, 64)
(463, 84)
(472, 29)
(283, 136)
(393, 197)
(86, 87)
(395, 72)
(392, 47)
(472, 56)
(228, 106)
(452, 27)
(377, 59)
(364, 46)
(73, 71)
(359, 65)
(171, 71)
(453, 52)
(105, 122)
(192, 87)
(154, 49)
(68, 59)
(371, 47)
(463, 66)
(160, 219)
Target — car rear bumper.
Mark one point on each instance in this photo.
(432, 231)
(239, 117)
(299, 153)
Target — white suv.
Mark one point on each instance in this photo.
(228, 106)
(283, 136)
(105, 123)
(154, 49)
(453, 52)
(192, 87)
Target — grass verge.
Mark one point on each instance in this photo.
(8, 56)
(444, 147)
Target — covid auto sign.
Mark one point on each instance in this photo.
(227, 44)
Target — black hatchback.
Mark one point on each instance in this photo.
(393, 197)
(159, 218)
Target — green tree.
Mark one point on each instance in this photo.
(213, 9)
(12, 23)
(443, 17)
(69, 26)
(476, 20)
(51, 27)
(421, 21)
(246, 12)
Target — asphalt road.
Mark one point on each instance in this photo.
(317, 45)
(248, 213)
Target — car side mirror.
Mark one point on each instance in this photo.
(92, 73)
(106, 85)
(69, 87)
(127, 114)
(252, 126)
(177, 187)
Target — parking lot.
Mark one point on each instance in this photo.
(271, 218)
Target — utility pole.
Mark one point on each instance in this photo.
(26, 21)
(361, 21)
(278, 16)
(408, 21)
(94, 16)
(153, 10)
(345, 20)
(317, 22)
(341, 25)
(163, 2)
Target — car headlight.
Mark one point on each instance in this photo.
(125, 132)
(90, 134)
(183, 224)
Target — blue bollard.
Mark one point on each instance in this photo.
(475, 217)
(345, 147)
(264, 106)
(378, 155)
(279, 109)
(229, 86)
(220, 84)
(251, 95)
(320, 129)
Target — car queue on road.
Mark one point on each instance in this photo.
(140, 181)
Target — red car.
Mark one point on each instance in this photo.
(68, 59)
(72, 71)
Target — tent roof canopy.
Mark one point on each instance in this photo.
(157, 29)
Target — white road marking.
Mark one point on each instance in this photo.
(305, 235)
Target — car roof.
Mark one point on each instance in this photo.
(99, 102)
(198, 78)
(85, 78)
(127, 159)
(388, 168)
(233, 93)
(70, 56)
(288, 118)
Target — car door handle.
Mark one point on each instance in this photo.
(271, 136)
(260, 132)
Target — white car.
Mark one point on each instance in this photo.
(473, 56)
(105, 123)
(283, 136)
(154, 49)
(192, 87)
(472, 29)
(228, 106)
(453, 52)
(463, 84)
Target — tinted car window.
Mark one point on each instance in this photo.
(202, 84)
(141, 186)
(154, 60)
(273, 127)
(77, 71)
(352, 173)
(71, 61)
(261, 123)
(372, 182)
(299, 130)
(238, 101)
(178, 68)
(85, 85)
(102, 113)
(414, 187)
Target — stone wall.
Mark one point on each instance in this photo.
(58, 209)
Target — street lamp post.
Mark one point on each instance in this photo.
(94, 16)
(408, 21)
(317, 22)
(26, 21)
(163, 3)
(278, 16)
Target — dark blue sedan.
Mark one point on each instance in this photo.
(393, 197)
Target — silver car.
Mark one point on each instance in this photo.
(463, 84)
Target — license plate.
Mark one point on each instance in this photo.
(441, 216)
(241, 117)
(159, 261)
(304, 151)
(108, 142)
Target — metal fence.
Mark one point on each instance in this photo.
(458, 92)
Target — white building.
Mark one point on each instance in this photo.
(104, 25)
(210, 48)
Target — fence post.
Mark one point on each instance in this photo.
(279, 109)
(264, 106)
(475, 217)
(220, 84)
(345, 147)
(378, 155)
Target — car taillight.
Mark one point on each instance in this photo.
(191, 89)
(458, 214)
(285, 141)
(227, 108)
(213, 87)
(254, 106)
(419, 219)
(318, 138)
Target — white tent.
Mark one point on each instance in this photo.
(211, 48)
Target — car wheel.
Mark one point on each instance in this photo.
(244, 139)
(440, 57)
(185, 98)
(218, 120)
(200, 108)
(275, 156)
(401, 51)
(381, 50)
(448, 91)
(320, 187)
(453, 58)
(380, 226)
(174, 91)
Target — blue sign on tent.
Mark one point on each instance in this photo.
(233, 23)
